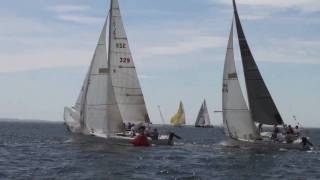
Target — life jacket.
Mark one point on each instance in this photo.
(140, 140)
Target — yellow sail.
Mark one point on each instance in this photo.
(179, 118)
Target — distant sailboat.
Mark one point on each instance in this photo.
(111, 94)
(179, 119)
(238, 119)
(203, 119)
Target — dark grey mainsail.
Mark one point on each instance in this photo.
(262, 106)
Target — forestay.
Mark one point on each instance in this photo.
(262, 106)
(237, 119)
(124, 76)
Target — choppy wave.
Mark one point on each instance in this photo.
(47, 151)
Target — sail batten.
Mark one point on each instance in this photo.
(263, 110)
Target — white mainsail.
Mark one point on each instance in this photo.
(100, 111)
(111, 93)
(203, 118)
(124, 76)
(237, 119)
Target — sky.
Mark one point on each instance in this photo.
(178, 47)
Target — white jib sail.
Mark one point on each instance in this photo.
(203, 118)
(237, 119)
(124, 76)
(101, 113)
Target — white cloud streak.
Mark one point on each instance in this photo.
(32, 60)
(75, 14)
(304, 5)
(196, 43)
(69, 8)
(81, 19)
(17, 25)
(290, 51)
(43, 58)
(254, 17)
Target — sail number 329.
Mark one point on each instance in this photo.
(125, 60)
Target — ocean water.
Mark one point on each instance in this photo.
(47, 151)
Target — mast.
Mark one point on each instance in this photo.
(262, 106)
(109, 39)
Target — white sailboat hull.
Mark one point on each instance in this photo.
(117, 139)
(264, 144)
(71, 117)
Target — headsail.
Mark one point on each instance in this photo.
(237, 119)
(77, 106)
(262, 106)
(179, 118)
(99, 112)
(124, 76)
(203, 118)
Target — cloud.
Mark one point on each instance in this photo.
(298, 51)
(304, 5)
(69, 8)
(81, 19)
(43, 58)
(254, 17)
(75, 14)
(193, 44)
(146, 77)
(13, 25)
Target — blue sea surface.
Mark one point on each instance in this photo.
(36, 150)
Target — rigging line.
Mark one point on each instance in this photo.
(99, 109)
(130, 95)
(131, 103)
(231, 79)
(100, 104)
(122, 87)
(101, 74)
(127, 67)
(298, 123)
(254, 79)
(235, 109)
(120, 38)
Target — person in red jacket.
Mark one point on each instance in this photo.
(141, 139)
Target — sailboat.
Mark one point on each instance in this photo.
(111, 94)
(203, 119)
(179, 119)
(239, 121)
